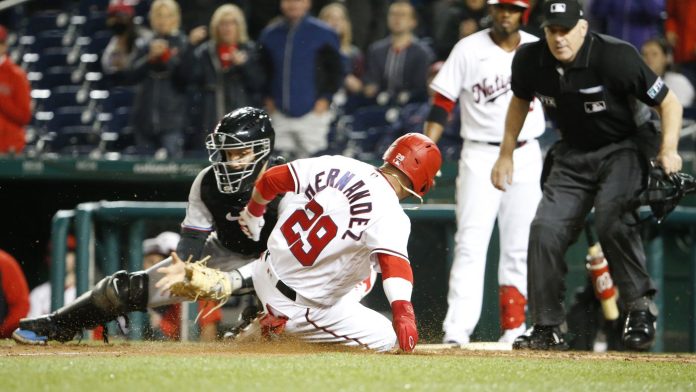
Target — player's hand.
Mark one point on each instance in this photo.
(670, 161)
(404, 323)
(174, 273)
(251, 225)
(501, 173)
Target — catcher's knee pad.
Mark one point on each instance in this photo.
(122, 292)
(512, 304)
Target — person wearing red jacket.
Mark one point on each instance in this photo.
(15, 101)
(14, 294)
(680, 31)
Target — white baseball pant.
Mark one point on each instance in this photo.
(478, 205)
(346, 322)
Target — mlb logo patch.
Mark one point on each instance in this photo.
(594, 107)
(558, 8)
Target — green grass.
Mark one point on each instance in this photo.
(334, 371)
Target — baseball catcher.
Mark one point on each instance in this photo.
(239, 150)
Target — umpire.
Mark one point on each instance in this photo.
(595, 89)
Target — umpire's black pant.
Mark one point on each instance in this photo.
(606, 178)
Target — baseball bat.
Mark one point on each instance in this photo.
(598, 268)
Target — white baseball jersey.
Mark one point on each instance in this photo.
(324, 241)
(477, 72)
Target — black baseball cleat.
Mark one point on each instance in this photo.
(541, 337)
(639, 330)
(37, 331)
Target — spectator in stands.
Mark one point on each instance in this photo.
(369, 19)
(462, 18)
(165, 321)
(198, 13)
(15, 101)
(40, 296)
(336, 16)
(680, 31)
(657, 54)
(121, 49)
(635, 21)
(397, 65)
(14, 294)
(302, 57)
(225, 69)
(159, 109)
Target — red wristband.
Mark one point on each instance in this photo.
(256, 209)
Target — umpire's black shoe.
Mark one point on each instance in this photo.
(541, 337)
(639, 330)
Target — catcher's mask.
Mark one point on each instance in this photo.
(664, 191)
(239, 147)
(418, 157)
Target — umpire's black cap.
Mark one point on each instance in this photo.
(564, 13)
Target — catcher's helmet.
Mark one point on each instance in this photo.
(520, 3)
(664, 191)
(240, 129)
(418, 157)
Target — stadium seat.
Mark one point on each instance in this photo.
(96, 21)
(47, 20)
(67, 116)
(75, 140)
(119, 97)
(88, 7)
(49, 39)
(62, 96)
(368, 125)
(52, 57)
(56, 76)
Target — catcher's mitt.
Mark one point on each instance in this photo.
(202, 282)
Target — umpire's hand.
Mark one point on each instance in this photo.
(501, 173)
(669, 160)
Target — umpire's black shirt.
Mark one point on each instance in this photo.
(593, 99)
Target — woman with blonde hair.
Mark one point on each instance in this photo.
(336, 16)
(160, 106)
(224, 70)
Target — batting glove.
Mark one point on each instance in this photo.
(405, 324)
(251, 225)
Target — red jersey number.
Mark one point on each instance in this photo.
(322, 230)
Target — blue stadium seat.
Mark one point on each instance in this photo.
(87, 7)
(119, 120)
(75, 140)
(56, 76)
(62, 96)
(99, 40)
(52, 57)
(96, 21)
(367, 127)
(119, 97)
(48, 39)
(47, 20)
(67, 116)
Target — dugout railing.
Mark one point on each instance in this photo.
(127, 219)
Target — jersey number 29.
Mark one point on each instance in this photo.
(321, 230)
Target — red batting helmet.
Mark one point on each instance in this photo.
(520, 3)
(416, 156)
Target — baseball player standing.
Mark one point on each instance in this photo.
(344, 218)
(477, 72)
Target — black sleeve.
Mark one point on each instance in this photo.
(521, 73)
(629, 73)
(191, 244)
(330, 71)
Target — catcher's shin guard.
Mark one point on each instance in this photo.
(113, 296)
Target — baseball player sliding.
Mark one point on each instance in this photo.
(477, 73)
(342, 217)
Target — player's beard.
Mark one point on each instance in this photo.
(504, 33)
